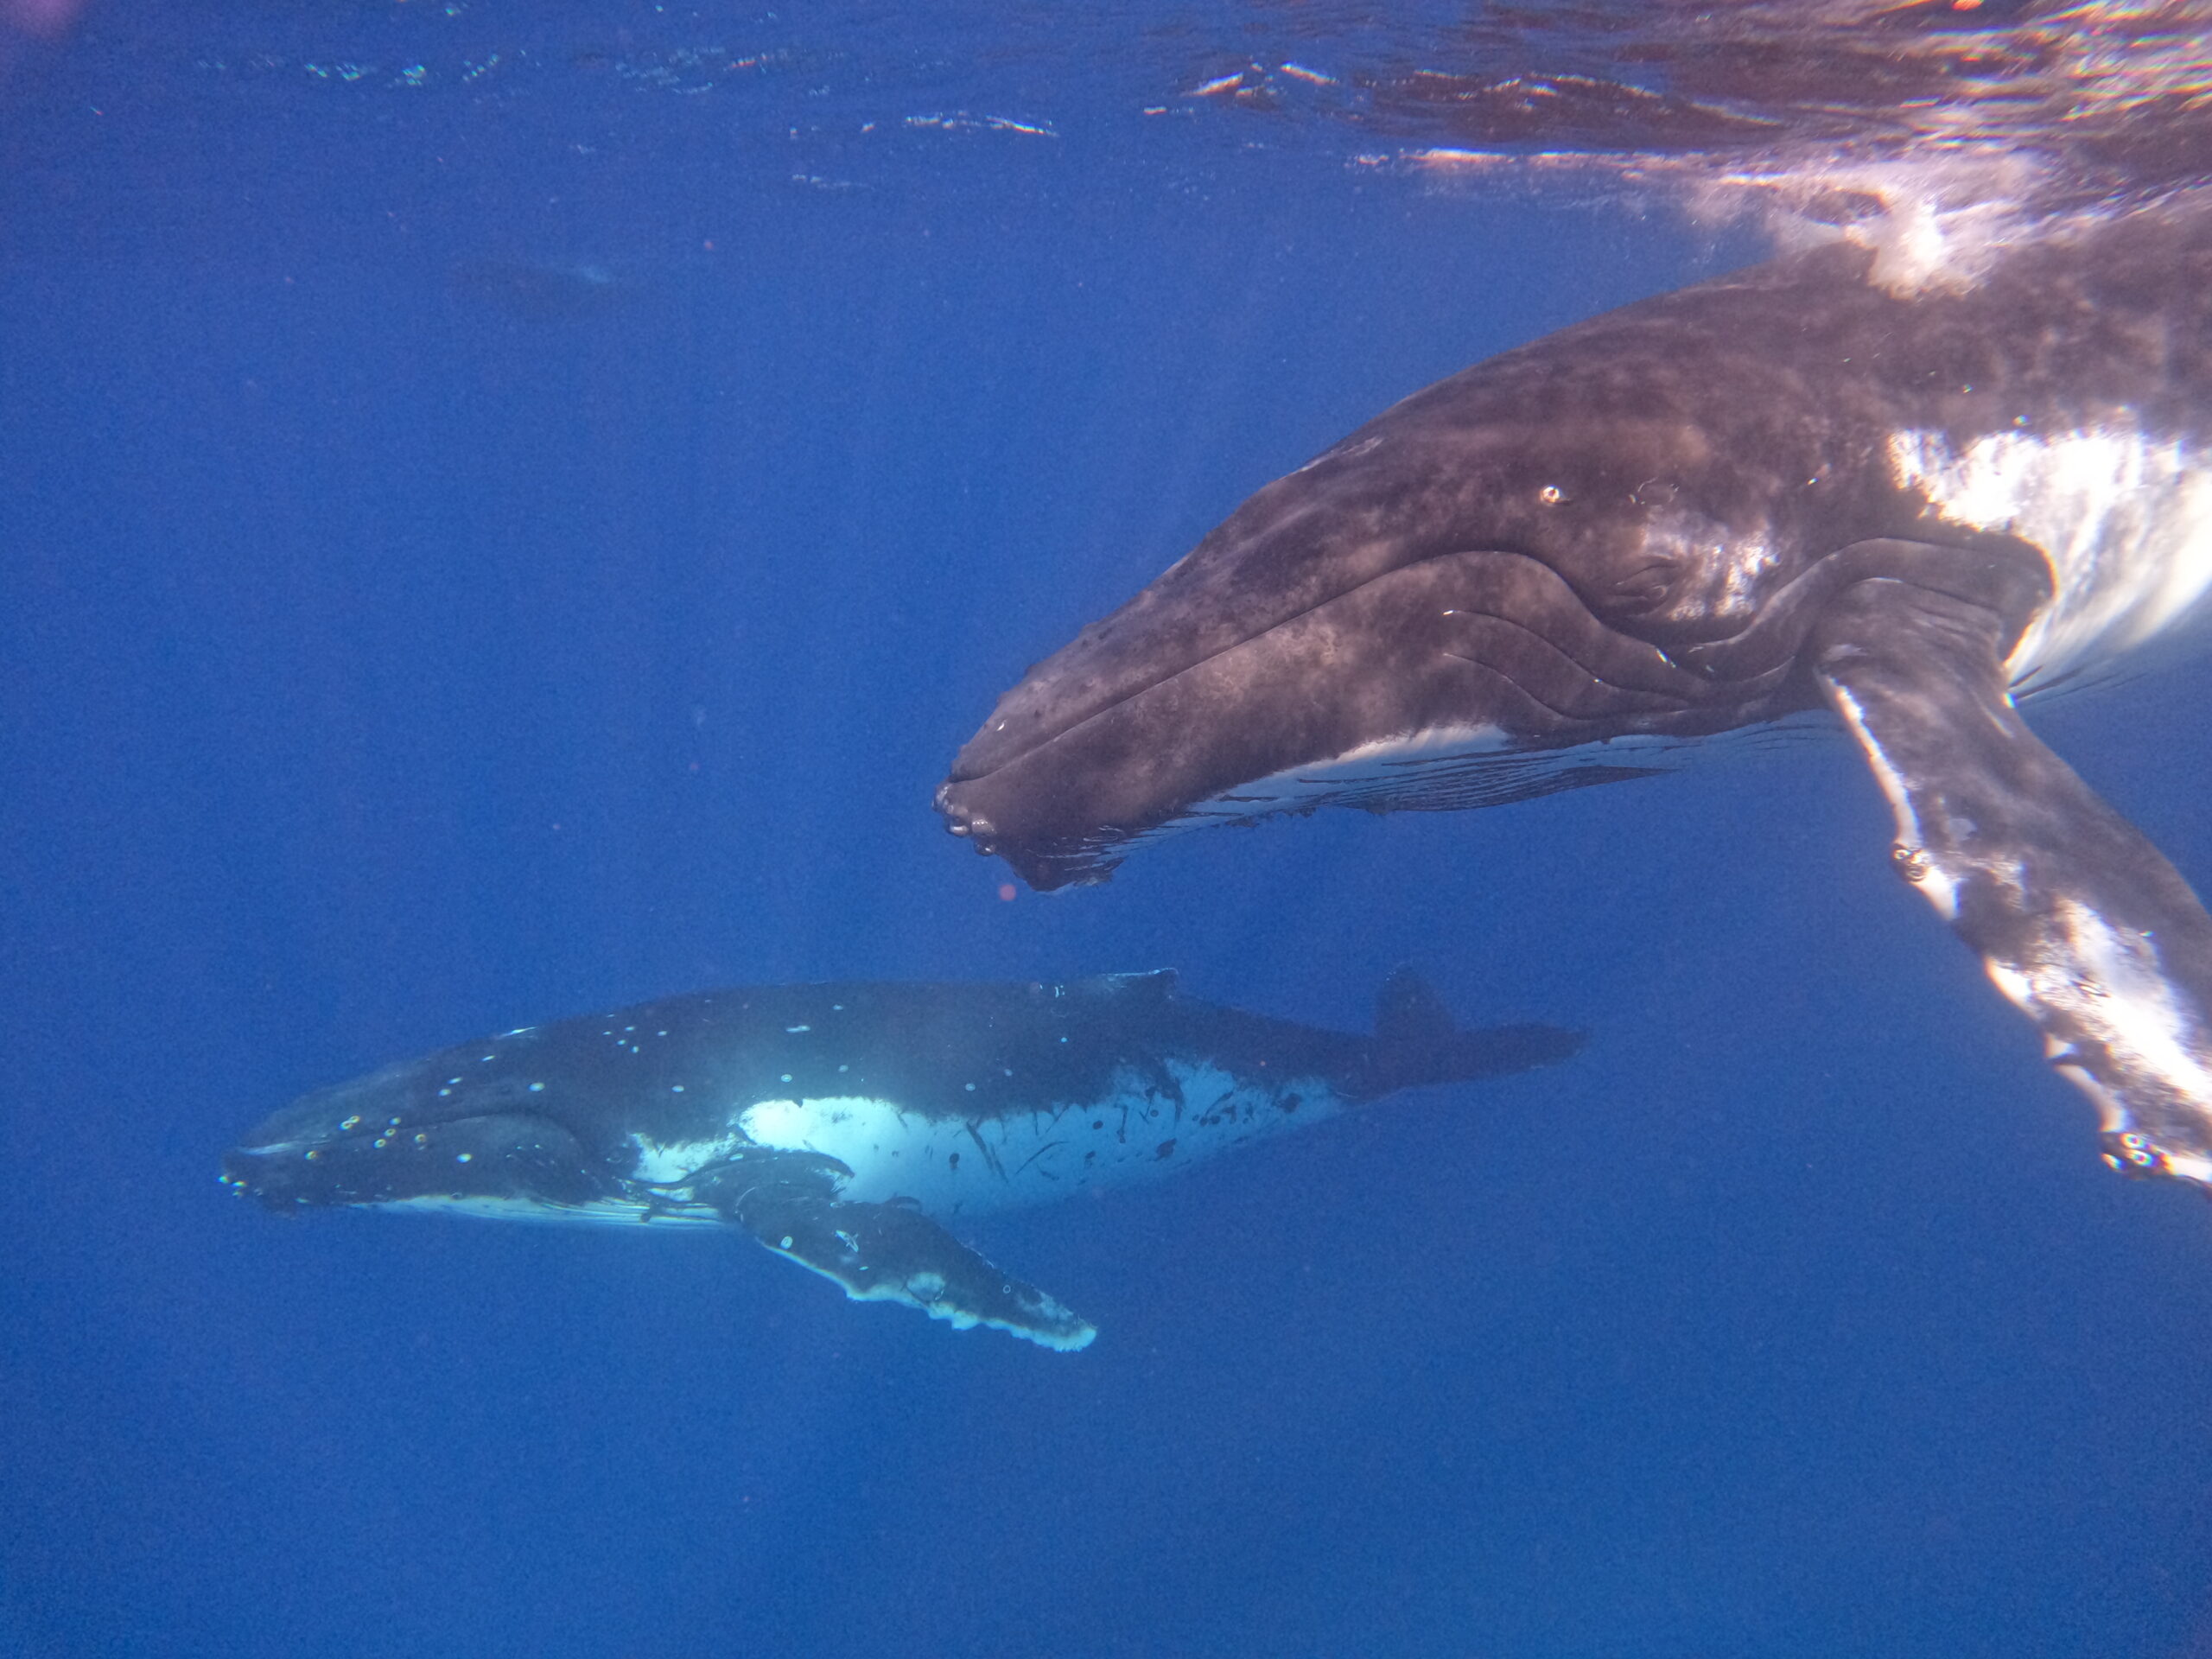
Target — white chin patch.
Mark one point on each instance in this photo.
(1459, 768)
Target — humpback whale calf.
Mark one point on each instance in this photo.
(1786, 488)
(841, 1125)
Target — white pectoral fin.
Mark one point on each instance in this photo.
(2079, 919)
(891, 1253)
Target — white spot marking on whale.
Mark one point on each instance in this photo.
(2125, 519)
(1047, 1329)
(1720, 571)
(600, 1212)
(2107, 981)
(2129, 1001)
(1941, 884)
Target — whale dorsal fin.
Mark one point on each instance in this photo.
(1408, 1014)
(1416, 1041)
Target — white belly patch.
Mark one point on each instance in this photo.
(953, 1166)
(600, 1212)
(2125, 519)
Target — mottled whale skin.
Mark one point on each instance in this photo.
(1786, 490)
(842, 1124)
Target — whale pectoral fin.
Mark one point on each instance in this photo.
(888, 1253)
(2079, 919)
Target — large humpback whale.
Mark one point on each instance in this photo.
(840, 1124)
(1784, 489)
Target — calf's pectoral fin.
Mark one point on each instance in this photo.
(889, 1253)
(2079, 919)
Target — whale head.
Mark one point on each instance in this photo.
(424, 1132)
(1434, 613)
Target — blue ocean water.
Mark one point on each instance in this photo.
(469, 562)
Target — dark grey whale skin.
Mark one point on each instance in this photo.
(1525, 492)
(1676, 520)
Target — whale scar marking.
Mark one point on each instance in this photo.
(1035, 1156)
(983, 1147)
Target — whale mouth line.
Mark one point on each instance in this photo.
(1760, 649)
(1042, 739)
(1705, 664)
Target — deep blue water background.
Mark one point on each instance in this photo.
(382, 662)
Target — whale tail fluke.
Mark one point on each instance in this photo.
(1417, 1041)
